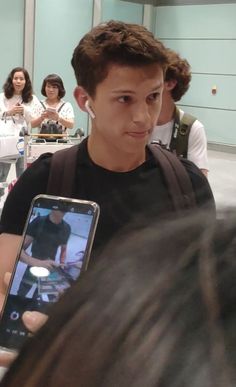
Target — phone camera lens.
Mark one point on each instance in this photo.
(14, 315)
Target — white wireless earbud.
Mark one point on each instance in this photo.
(89, 110)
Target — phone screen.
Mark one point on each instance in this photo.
(56, 245)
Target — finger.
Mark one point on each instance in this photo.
(7, 278)
(6, 358)
(34, 320)
(2, 298)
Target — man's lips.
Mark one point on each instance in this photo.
(138, 134)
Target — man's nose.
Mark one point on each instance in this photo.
(141, 113)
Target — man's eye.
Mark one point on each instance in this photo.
(153, 96)
(124, 99)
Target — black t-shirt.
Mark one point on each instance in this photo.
(138, 197)
(47, 236)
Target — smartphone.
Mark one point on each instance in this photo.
(55, 250)
(51, 110)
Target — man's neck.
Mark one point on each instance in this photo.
(167, 112)
(112, 158)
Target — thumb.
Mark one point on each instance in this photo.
(7, 278)
(34, 320)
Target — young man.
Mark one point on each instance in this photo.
(177, 81)
(120, 74)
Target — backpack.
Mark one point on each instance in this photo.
(63, 167)
(51, 127)
(180, 133)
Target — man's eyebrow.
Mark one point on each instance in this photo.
(127, 91)
(160, 84)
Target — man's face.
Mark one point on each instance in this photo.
(56, 216)
(126, 106)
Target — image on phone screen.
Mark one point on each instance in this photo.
(56, 244)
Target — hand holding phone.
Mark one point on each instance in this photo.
(59, 233)
(17, 109)
(33, 321)
(52, 114)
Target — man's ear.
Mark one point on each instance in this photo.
(170, 85)
(81, 96)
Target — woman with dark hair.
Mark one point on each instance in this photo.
(17, 103)
(54, 109)
(157, 310)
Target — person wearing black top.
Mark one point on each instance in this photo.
(45, 234)
(119, 68)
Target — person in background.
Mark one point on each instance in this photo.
(190, 140)
(17, 102)
(149, 313)
(54, 108)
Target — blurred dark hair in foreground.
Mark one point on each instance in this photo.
(157, 309)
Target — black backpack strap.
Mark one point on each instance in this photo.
(180, 133)
(58, 111)
(60, 107)
(177, 179)
(43, 105)
(62, 172)
(63, 167)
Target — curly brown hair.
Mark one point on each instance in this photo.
(114, 42)
(8, 88)
(179, 70)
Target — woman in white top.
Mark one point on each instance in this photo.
(53, 108)
(18, 102)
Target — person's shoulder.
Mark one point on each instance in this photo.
(196, 123)
(190, 166)
(65, 103)
(197, 135)
(36, 221)
(197, 126)
(67, 106)
(193, 171)
(31, 183)
(33, 101)
(41, 165)
(67, 226)
(35, 98)
(200, 184)
(35, 177)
